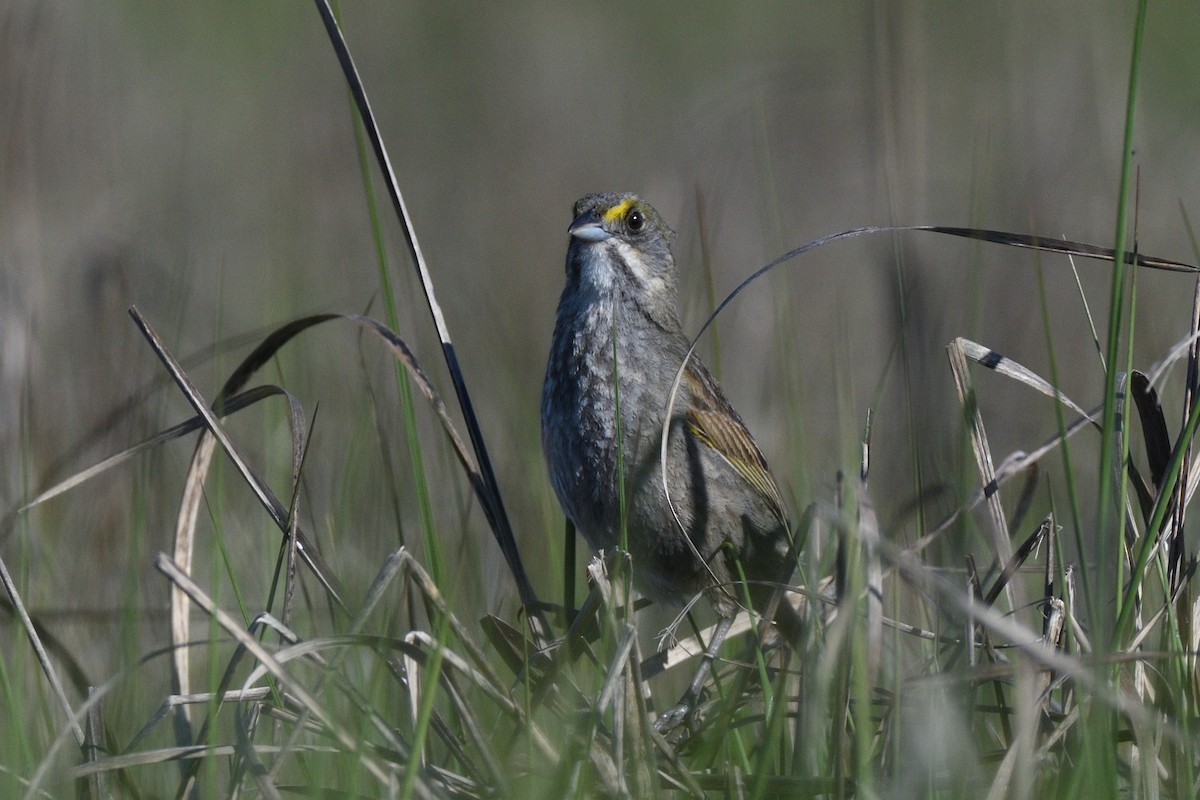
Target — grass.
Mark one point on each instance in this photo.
(1057, 660)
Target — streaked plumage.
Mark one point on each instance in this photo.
(620, 299)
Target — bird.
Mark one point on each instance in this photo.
(617, 347)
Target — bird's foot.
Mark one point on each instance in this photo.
(682, 712)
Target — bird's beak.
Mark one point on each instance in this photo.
(588, 227)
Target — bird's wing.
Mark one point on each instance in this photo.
(712, 420)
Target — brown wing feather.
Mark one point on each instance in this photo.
(713, 421)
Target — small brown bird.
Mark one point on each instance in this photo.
(616, 350)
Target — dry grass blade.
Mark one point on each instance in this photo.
(868, 532)
(1028, 644)
(96, 786)
(401, 351)
(974, 594)
(602, 761)
(683, 650)
(541, 668)
(438, 604)
(35, 641)
(1026, 496)
(284, 517)
(299, 436)
(165, 755)
(1157, 442)
(392, 566)
(1176, 545)
(1154, 426)
(616, 669)
(275, 340)
(512, 646)
(630, 721)
(231, 406)
(1142, 551)
(216, 700)
(414, 649)
(277, 511)
(489, 767)
(420, 640)
(185, 536)
(1050, 575)
(985, 356)
(998, 237)
(1064, 246)
(232, 627)
(193, 396)
(1193, 656)
(1085, 644)
(465, 712)
(583, 629)
(1018, 560)
(1001, 543)
(1090, 669)
(61, 651)
(314, 650)
(190, 503)
(95, 695)
(1015, 464)
(489, 489)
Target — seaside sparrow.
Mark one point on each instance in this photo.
(617, 347)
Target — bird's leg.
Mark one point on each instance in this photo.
(691, 698)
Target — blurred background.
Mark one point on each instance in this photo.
(198, 160)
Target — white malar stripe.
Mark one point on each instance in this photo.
(636, 261)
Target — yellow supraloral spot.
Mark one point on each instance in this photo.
(618, 211)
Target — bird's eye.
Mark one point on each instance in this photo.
(636, 221)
